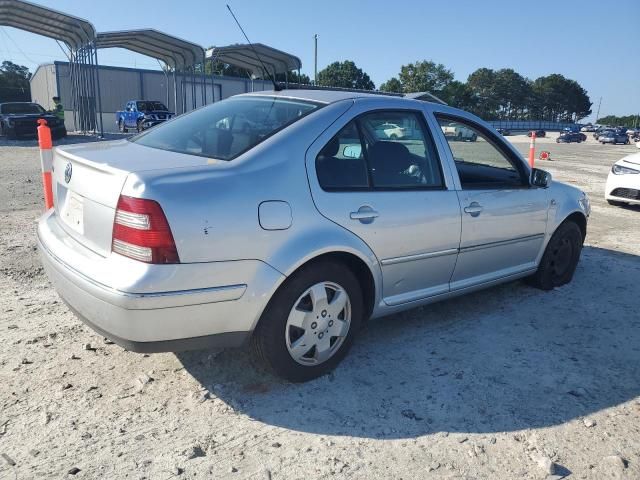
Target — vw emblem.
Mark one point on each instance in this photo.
(68, 170)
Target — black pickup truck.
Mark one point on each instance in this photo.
(20, 119)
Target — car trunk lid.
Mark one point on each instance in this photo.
(88, 179)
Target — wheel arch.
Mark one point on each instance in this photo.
(580, 219)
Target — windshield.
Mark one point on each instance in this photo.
(149, 106)
(228, 128)
(20, 108)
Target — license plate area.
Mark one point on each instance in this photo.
(73, 212)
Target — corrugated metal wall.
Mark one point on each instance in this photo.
(119, 85)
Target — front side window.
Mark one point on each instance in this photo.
(228, 128)
(480, 163)
(382, 150)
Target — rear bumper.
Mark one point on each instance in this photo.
(152, 308)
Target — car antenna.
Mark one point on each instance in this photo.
(276, 87)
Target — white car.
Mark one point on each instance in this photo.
(391, 131)
(459, 132)
(623, 183)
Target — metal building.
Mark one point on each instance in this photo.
(119, 85)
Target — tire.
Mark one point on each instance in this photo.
(474, 137)
(459, 136)
(139, 127)
(393, 136)
(560, 258)
(274, 336)
(121, 127)
(615, 203)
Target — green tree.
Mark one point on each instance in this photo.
(559, 99)
(513, 94)
(459, 95)
(482, 84)
(14, 83)
(629, 121)
(392, 85)
(424, 76)
(345, 75)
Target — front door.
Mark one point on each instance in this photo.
(504, 219)
(380, 177)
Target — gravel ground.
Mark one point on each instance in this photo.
(506, 383)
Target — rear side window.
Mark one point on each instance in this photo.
(382, 150)
(228, 128)
(340, 164)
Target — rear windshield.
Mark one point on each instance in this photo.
(228, 128)
(9, 108)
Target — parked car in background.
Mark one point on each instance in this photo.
(613, 137)
(539, 133)
(504, 132)
(142, 114)
(458, 132)
(20, 119)
(390, 130)
(601, 130)
(570, 137)
(623, 182)
(291, 234)
(588, 128)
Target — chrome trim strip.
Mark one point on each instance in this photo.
(419, 256)
(501, 243)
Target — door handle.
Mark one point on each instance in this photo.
(473, 209)
(365, 214)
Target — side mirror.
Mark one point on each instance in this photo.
(540, 178)
(352, 151)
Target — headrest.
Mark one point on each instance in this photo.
(389, 156)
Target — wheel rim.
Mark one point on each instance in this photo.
(561, 257)
(318, 323)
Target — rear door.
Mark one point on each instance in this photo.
(504, 219)
(393, 194)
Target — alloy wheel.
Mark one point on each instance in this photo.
(318, 323)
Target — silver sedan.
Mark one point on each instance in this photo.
(285, 219)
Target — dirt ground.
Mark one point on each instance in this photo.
(506, 383)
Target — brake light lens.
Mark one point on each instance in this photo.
(141, 232)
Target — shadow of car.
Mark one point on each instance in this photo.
(505, 359)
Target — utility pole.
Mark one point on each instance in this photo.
(598, 112)
(315, 63)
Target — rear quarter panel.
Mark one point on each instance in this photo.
(213, 210)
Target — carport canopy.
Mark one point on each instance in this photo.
(244, 56)
(173, 51)
(73, 31)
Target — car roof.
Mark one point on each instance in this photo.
(321, 95)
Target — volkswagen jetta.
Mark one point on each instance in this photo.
(285, 219)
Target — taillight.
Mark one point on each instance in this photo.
(141, 232)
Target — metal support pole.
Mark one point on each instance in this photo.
(175, 92)
(315, 59)
(98, 91)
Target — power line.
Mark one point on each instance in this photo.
(17, 46)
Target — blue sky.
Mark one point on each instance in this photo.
(586, 41)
